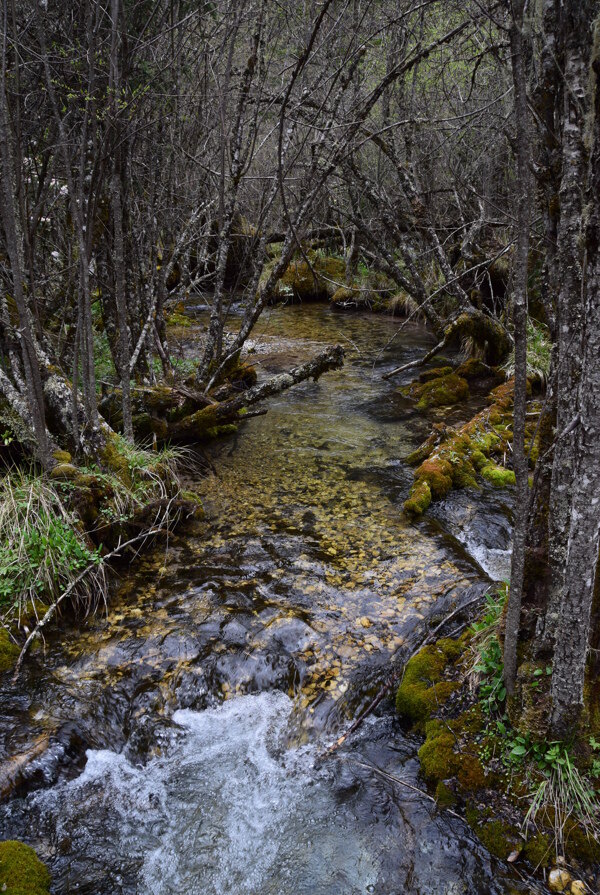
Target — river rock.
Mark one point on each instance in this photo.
(558, 880)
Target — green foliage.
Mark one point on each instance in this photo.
(539, 351)
(558, 789)
(42, 549)
(489, 665)
(595, 768)
(103, 361)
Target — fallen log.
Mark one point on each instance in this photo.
(200, 423)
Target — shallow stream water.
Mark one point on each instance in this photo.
(179, 735)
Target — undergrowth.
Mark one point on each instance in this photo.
(558, 791)
(539, 349)
(42, 548)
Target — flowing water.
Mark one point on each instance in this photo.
(177, 738)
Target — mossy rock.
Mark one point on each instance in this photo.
(435, 373)
(580, 846)
(422, 690)
(62, 456)
(21, 871)
(474, 368)
(498, 475)
(440, 761)
(64, 472)
(345, 295)
(311, 282)
(419, 500)
(444, 795)
(179, 319)
(9, 651)
(454, 458)
(439, 391)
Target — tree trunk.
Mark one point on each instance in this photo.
(520, 464)
(574, 616)
(575, 32)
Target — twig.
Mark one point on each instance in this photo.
(387, 776)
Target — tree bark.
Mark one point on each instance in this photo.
(520, 464)
(573, 624)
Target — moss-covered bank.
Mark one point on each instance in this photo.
(473, 761)
(457, 458)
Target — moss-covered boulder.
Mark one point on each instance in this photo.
(317, 280)
(438, 391)
(422, 688)
(498, 476)
(21, 871)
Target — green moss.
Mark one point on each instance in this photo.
(9, 651)
(113, 458)
(444, 795)
(580, 846)
(474, 369)
(419, 500)
(61, 456)
(439, 391)
(21, 871)
(64, 472)
(422, 689)
(498, 475)
(437, 472)
(177, 319)
(320, 279)
(498, 837)
(145, 425)
(438, 761)
(539, 850)
(435, 373)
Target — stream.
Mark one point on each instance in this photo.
(175, 739)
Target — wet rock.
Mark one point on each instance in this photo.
(294, 635)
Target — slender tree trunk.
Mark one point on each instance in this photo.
(574, 31)
(523, 150)
(14, 247)
(116, 184)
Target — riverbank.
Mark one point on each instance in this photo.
(529, 800)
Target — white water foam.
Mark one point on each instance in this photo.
(225, 809)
